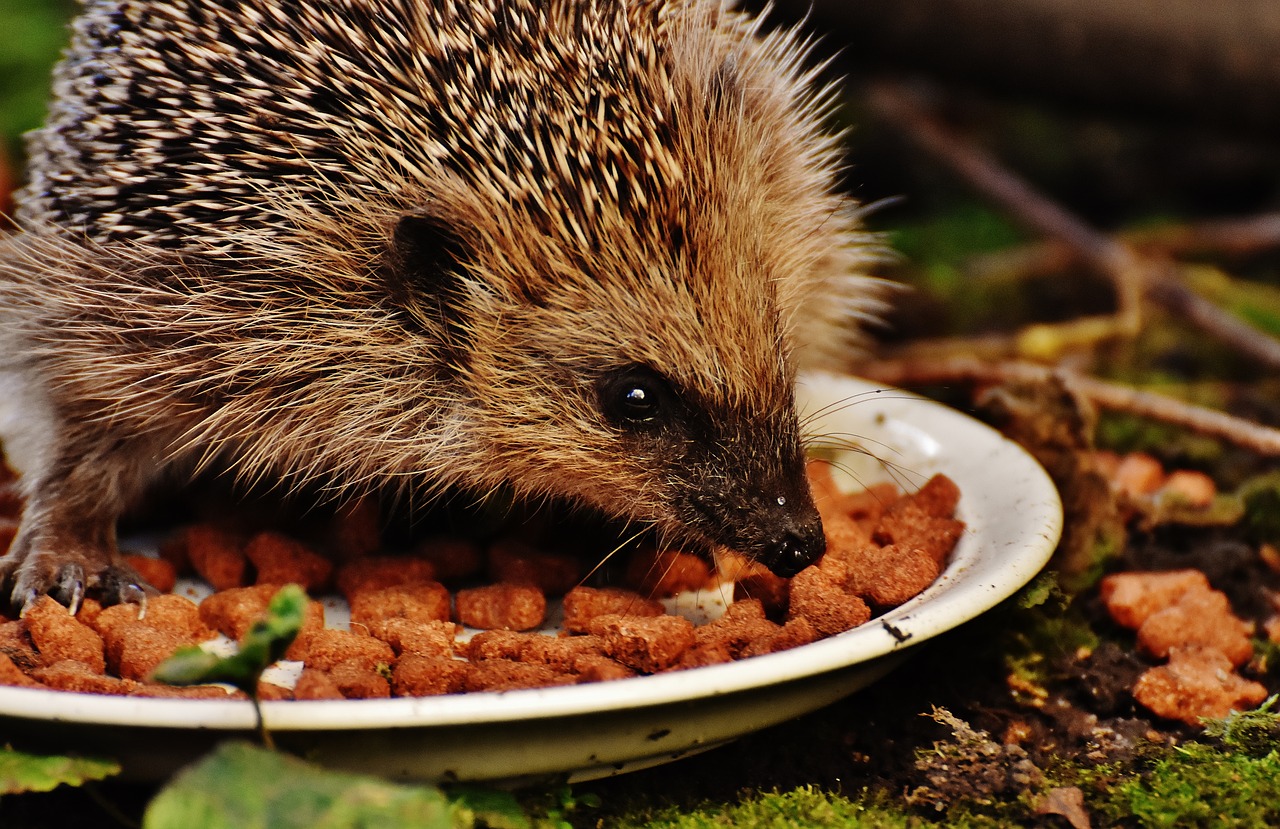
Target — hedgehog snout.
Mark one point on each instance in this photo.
(792, 547)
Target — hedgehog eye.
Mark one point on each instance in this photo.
(636, 397)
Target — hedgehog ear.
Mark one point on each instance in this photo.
(427, 257)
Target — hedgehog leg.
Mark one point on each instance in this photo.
(66, 544)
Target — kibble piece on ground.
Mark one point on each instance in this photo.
(1132, 597)
(502, 607)
(1199, 617)
(1197, 683)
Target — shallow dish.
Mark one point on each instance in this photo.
(1013, 518)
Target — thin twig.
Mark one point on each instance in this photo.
(1133, 275)
(966, 369)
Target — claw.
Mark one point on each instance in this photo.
(134, 593)
(70, 587)
(29, 599)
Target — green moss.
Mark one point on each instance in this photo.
(803, 807)
(1198, 785)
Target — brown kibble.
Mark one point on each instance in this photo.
(1195, 489)
(71, 675)
(773, 593)
(356, 681)
(411, 636)
(12, 675)
(16, 645)
(889, 576)
(216, 555)
(421, 675)
(793, 634)
(497, 644)
(323, 649)
(142, 648)
(742, 623)
(231, 612)
(377, 572)
(591, 667)
(1138, 475)
(516, 562)
(280, 559)
(666, 572)
(563, 653)
(865, 508)
(270, 692)
(825, 603)
(647, 644)
(1132, 597)
(157, 572)
(58, 636)
(316, 684)
(451, 558)
(158, 691)
(356, 529)
(1199, 617)
(1197, 683)
(504, 675)
(582, 604)
(826, 495)
(938, 497)
(703, 654)
(502, 606)
(908, 526)
(421, 602)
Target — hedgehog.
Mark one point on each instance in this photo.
(560, 249)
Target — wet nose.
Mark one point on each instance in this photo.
(793, 550)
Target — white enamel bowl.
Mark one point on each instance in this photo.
(1013, 518)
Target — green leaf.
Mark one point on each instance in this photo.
(240, 786)
(22, 772)
(264, 643)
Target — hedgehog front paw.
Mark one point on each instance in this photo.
(69, 577)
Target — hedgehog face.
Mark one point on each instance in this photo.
(733, 478)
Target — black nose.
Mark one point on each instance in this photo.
(793, 551)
